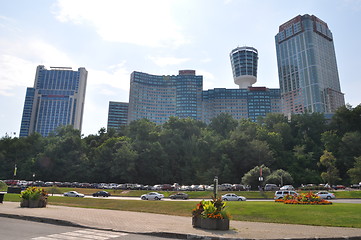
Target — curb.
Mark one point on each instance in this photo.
(155, 234)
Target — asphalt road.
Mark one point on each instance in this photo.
(15, 229)
(342, 200)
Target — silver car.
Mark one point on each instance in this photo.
(73, 194)
(326, 195)
(233, 197)
(152, 196)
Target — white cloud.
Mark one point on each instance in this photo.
(18, 61)
(355, 5)
(8, 24)
(140, 22)
(116, 76)
(165, 61)
(206, 60)
(14, 72)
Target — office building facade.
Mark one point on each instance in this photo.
(117, 114)
(307, 67)
(56, 99)
(246, 103)
(156, 97)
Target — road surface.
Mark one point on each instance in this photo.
(15, 229)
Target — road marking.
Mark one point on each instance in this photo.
(82, 234)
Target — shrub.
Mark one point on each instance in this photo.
(33, 193)
(211, 209)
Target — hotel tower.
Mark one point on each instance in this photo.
(307, 67)
(57, 99)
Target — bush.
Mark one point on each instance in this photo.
(3, 186)
(33, 193)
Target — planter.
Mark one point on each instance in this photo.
(210, 223)
(215, 224)
(1, 197)
(37, 203)
(24, 203)
(34, 203)
(196, 222)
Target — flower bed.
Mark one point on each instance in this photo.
(211, 215)
(304, 198)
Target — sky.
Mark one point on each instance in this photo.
(113, 38)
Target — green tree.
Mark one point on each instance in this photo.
(251, 178)
(280, 177)
(355, 172)
(331, 176)
(223, 124)
(63, 158)
(183, 149)
(350, 147)
(347, 119)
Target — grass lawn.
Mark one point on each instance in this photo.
(336, 215)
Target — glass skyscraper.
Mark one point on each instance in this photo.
(56, 99)
(307, 67)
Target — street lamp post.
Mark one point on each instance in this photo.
(33, 178)
(215, 186)
(260, 179)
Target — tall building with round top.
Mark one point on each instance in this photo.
(244, 66)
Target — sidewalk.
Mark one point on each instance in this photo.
(171, 226)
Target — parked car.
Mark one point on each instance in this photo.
(271, 187)
(280, 194)
(238, 187)
(233, 197)
(101, 194)
(73, 194)
(179, 195)
(326, 195)
(287, 187)
(152, 196)
(337, 187)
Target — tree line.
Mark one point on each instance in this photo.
(304, 149)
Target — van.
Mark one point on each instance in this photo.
(271, 187)
(280, 194)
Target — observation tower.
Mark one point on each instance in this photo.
(244, 62)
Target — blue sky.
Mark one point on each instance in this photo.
(112, 38)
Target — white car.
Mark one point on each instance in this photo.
(287, 187)
(233, 197)
(326, 195)
(280, 194)
(73, 194)
(152, 196)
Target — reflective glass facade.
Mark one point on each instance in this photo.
(117, 114)
(307, 67)
(157, 97)
(57, 98)
(244, 61)
(250, 103)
